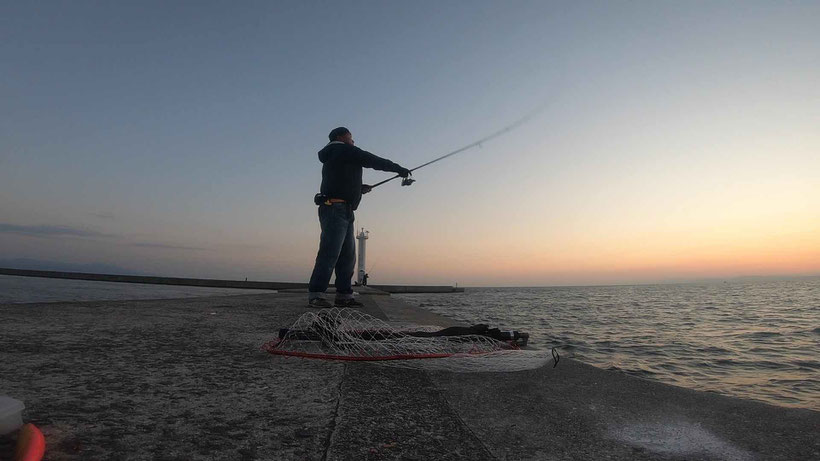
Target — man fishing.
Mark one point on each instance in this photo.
(339, 196)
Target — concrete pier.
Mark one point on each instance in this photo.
(186, 380)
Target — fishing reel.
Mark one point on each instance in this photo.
(407, 181)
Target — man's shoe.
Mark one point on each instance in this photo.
(320, 303)
(349, 302)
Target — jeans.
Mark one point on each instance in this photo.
(337, 250)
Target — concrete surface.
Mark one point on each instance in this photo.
(186, 380)
(357, 290)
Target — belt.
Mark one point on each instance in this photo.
(331, 201)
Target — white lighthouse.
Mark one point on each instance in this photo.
(362, 238)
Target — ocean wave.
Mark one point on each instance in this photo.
(712, 350)
(760, 334)
(813, 364)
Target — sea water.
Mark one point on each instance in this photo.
(752, 339)
(15, 289)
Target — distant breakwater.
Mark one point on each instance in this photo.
(213, 283)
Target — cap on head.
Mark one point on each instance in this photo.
(336, 132)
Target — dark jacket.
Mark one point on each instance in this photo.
(342, 170)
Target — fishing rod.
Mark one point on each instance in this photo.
(408, 180)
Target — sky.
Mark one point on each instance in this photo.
(678, 140)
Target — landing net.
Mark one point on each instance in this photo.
(352, 335)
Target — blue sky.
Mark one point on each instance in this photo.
(180, 138)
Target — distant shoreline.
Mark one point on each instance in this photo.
(211, 283)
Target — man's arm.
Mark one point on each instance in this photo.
(368, 160)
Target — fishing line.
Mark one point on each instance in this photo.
(407, 181)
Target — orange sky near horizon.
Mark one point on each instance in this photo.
(615, 262)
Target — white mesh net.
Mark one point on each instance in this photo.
(347, 334)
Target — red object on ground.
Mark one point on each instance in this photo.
(31, 445)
